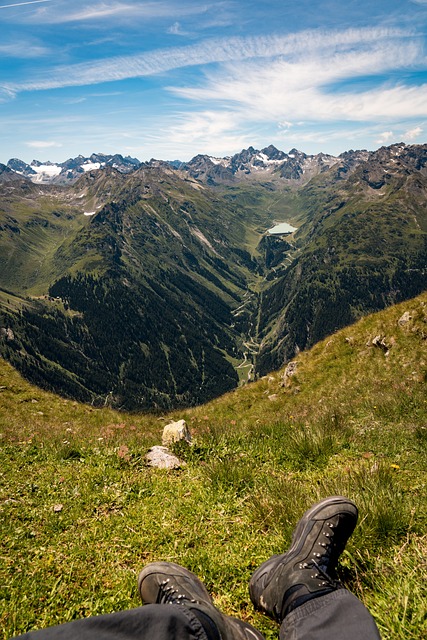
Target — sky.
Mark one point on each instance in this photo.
(170, 79)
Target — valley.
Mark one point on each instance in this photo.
(153, 286)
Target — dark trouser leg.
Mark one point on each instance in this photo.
(151, 622)
(336, 616)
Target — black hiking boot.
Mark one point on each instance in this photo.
(308, 569)
(168, 583)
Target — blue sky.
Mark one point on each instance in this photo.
(172, 78)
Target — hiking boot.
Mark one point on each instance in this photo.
(308, 569)
(168, 583)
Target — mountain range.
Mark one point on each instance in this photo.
(294, 166)
(69, 171)
(158, 284)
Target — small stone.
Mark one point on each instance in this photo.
(291, 369)
(162, 458)
(379, 342)
(175, 432)
(57, 508)
(404, 319)
(6, 332)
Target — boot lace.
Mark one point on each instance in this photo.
(168, 594)
(327, 580)
(320, 561)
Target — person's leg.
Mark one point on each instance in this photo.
(335, 616)
(168, 583)
(177, 607)
(299, 588)
(151, 622)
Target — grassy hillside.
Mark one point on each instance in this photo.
(81, 513)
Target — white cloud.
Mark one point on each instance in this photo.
(176, 30)
(6, 94)
(117, 10)
(95, 11)
(211, 132)
(414, 133)
(42, 144)
(309, 45)
(23, 50)
(385, 137)
(18, 4)
(306, 86)
(213, 129)
(288, 84)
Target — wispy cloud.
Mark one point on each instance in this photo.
(6, 94)
(211, 132)
(96, 12)
(313, 86)
(42, 144)
(412, 134)
(308, 84)
(385, 137)
(23, 50)
(295, 47)
(82, 11)
(19, 4)
(214, 130)
(176, 30)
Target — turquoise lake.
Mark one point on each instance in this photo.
(283, 227)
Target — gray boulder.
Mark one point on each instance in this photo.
(162, 458)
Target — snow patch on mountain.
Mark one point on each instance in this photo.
(45, 172)
(90, 166)
(69, 171)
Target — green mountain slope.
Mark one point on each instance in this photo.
(362, 246)
(139, 313)
(81, 513)
(34, 222)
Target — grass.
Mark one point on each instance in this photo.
(81, 513)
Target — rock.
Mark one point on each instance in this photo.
(6, 332)
(290, 371)
(273, 397)
(162, 458)
(175, 432)
(404, 319)
(379, 342)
